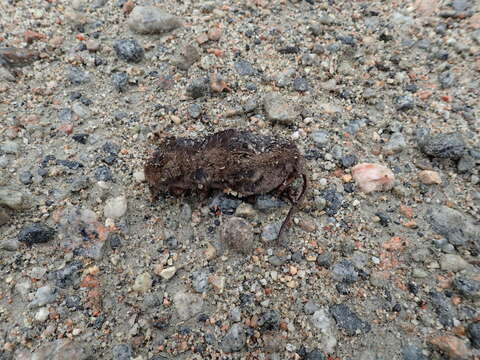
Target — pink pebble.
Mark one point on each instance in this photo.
(373, 177)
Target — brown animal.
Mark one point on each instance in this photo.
(235, 160)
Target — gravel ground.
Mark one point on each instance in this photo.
(373, 267)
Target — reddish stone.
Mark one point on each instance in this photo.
(30, 36)
(452, 346)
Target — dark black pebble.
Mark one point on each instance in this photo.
(343, 288)
(348, 320)
(111, 148)
(74, 165)
(120, 80)
(269, 320)
(324, 260)
(36, 233)
(103, 173)
(110, 159)
(289, 50)
(384, 218)
(80, 138)
(334, 201)
(129, 50)
(441, 305)
(115, 240)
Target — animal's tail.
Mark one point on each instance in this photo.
(295, 203)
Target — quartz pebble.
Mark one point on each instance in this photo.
(152, 20)
(373, 177)
(115, 208)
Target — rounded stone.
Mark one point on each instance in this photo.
(129, 50)
(115, 208)
(237, 234)
(152, 20)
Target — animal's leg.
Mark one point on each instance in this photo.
(285, 185)
(295, 203)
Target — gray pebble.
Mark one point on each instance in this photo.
(270, 231)
(43, 296)
(235, 339)
(187, 304)
(310, 307)
(152, 20)
(449, 145)
(412, 352)
(278, 109)
(200, 280)
(122, 352)
(120, 80)
(468, 288)
(446, 79)
(250, 105)
(396, 144)
(277, 260)
(320, 137)
(348, 161)
(300, 84)
(62, 349)
(79, 183)
(454, 263)
(404, 102)
(466, 164)
(455, 226)
(25, 177)
(198, 88)
(129, 50)
(77, 76)
(65, 115)
(10, 245)
(237, 234)
(267, 202)
(441, 305)
(473, 332)
(236, 314)
(4, 161)
(324, 260)
(344, 271)
(315, 355)
(194, 111)
(10, 147)
(244, 68)
(187, 57)
(103, 173)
